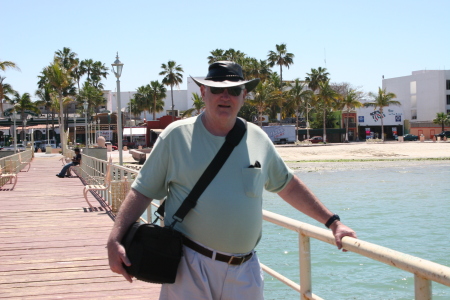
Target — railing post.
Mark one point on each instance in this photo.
(422, 288)
(305, 266)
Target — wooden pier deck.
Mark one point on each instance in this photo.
(52, 245)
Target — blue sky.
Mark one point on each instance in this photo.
(357, 41)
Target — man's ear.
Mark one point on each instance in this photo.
(202, 90)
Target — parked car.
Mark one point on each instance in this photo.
(410, 137)
(114, 147)
(442, 134)
(316, 139)
(43, 146)
(19, 147)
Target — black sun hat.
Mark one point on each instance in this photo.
(225, 74)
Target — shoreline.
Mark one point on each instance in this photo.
(362, 155)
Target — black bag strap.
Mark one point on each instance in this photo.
(232, 139)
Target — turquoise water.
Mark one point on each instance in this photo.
(402, 208)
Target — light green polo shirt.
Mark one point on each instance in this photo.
(228, 215)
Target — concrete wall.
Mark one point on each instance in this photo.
(422, 94)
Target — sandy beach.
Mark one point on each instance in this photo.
(357, 155)
(307, 158)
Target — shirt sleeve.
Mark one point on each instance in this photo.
(151, 180)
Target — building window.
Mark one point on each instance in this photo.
(414, 114)
(448, 99)
(448, 84)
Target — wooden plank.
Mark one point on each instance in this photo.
(53, 245)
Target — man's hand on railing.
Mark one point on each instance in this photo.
(117, 257)
(339, 231)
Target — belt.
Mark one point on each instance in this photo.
(231, 260)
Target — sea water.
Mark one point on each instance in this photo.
(406, 209)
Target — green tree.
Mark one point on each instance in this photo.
(326, 98)
(197, 103)
(173, 77)
(442, 119)
(45, 99)
(92, 95)
(157, 93)
(5, 90)
(298, 99)
(23, 104)
(280, 57)
(143, 98)
(315, 77)
(60, 80)
(381, 100)
(8, 64)
(264, 95)
(349, 103)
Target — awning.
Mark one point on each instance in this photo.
(135, 130)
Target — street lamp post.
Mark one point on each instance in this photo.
(14, 115)
(25, 132)
(85, 106)
(131, 126)
(75, 130)
(117, 68)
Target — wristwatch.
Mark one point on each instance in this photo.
(331, 220)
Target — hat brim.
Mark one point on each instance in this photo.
(249, 84)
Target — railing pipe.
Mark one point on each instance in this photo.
(305, 266)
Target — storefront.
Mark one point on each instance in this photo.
(369, 122)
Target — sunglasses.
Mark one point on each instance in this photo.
(233, 91)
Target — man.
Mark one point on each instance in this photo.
(75, 162)
(227, 220)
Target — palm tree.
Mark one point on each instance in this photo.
(67, 59)
(442, 119)
(349, 103)
(381, 100)
(216, 55)
(326, 98)
(315, 77)
(298, 97)
(60, 80)
(143, 98)
(282, 58)
(23, 104)
(157, 93)
(8, 64)
(173, 76)
(99, 71)
(264, 95)
(5, 90)
(197, 104)
(46, 100)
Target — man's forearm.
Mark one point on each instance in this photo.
(297, 194)
(131, 209)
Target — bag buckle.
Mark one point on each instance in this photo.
(242, 258)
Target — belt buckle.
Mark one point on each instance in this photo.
(238, 264)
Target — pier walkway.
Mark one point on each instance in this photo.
(53, 245)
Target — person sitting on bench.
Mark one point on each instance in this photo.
(75, 162)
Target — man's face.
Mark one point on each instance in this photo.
(222, 106)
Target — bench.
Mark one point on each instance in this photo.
(9, 176)
(24, 163)
(138, 156)
(99, 187)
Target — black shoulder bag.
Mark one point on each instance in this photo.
(155, 251)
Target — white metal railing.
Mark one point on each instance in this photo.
(16, 162)
(424, 271)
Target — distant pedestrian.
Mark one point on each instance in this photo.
(75, 162)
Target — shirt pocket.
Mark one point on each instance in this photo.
(253, 182)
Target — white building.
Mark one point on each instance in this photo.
(422, 94)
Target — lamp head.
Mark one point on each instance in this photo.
(117, 66)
